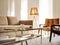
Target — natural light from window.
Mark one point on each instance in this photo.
(11, 8)
(45, 10)
(24, 12)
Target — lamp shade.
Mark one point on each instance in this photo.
(34, 11)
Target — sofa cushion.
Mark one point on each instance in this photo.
(12, 20)
(3, 20)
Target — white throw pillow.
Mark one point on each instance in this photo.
(3, 20)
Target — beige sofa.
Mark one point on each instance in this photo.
(5, 20)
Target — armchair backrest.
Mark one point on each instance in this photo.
(53, 21)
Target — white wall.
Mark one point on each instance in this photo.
(56, 8)
(31, 3)
(3, 7)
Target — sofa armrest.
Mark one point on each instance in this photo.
(26, 22)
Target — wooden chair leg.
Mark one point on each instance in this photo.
(50, 36)
(54, 35)
(26, 42)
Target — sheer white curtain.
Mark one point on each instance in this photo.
(24, 9)
(45, 10)
(11, 8)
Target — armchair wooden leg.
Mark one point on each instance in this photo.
(50, 36)
(26, 43)
(54, 35)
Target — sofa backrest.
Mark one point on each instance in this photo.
(8, 20)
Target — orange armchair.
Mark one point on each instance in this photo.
(49, 22)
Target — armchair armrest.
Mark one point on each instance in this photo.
(42, 25)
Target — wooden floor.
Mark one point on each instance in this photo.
(45, 41)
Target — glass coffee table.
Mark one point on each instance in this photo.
(23, 37)
(18, 39)
(31, 36)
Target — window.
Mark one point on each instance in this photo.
(24, 10)
(45, 10)
(11, 8)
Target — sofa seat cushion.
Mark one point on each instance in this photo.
(12, 21)
(3, 20)
(47, 28)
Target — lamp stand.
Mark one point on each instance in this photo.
(34, 22)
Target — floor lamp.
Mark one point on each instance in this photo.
(34, 13)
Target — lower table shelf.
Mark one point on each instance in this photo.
(19, 39)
